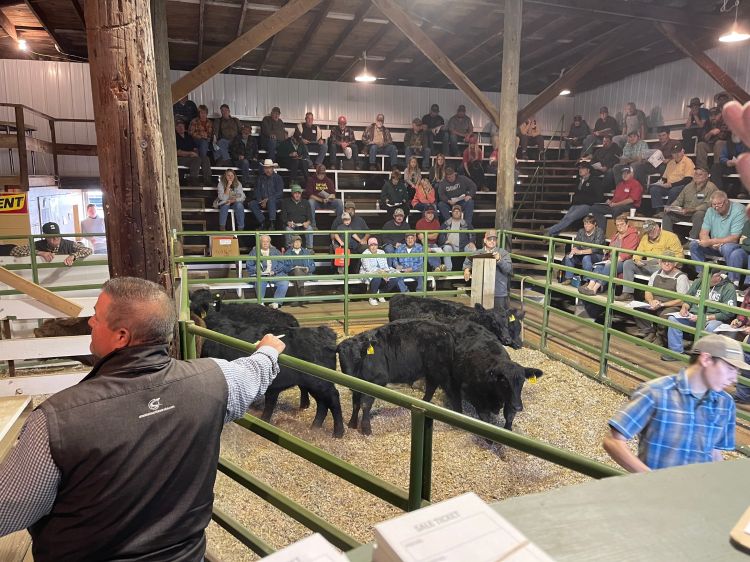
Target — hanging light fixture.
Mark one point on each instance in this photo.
(22, 45)
(365, 76)
(735, 35)
(565, 92)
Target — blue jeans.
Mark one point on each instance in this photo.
(308, 236)
(390, 249)
(390, 285)
(203, 147)
(244, 167)
(454, 143)
(321, 149)
(389, 150)
(336, 204)
(658, 193)
(270, 145)
(468, 207)
(424, 152)
(223, 149)
(443, 136)
(334, 148)
(586, 262)
(279, 293)
(239, 215)
(604, 270)
(574, 214)
(271, 207)
(734, 255)
(674, 335)
(435, 261)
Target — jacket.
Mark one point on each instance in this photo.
(296, 212)
(269, 187)
(627, 241)
(667, 242)
(309, 263)
(464, 238)
(247, 148)
(426, 197)
(692, 198)
(589, 192)
(279, 267)
(285, 149)
(724, 292)
(394, 238)
(503, 272)
(369, 134)
(394, 194)
(461, 186)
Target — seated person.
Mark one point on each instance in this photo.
(742, 391)
(268, 194)
(434, 127)
(627, 195)
(678, 174)
(392, 241)
(296, 215)
(410, 258)
(48, 248)
(355, 226)
(588, 192)
(456, 190)
(268, 268)
(320, 191)
(379, 265)
(424, 195)
(716, 135)
(459, 127)
(202, 130)
(625, 238)
(633, 121)
(301, 266)
(720, 234)
(744, 241)
(727, 163)
(453, 238)
(272, 132)
(503, 271)
(605, 159)
(412, 175)
(634, 155)
(230, 196)
(721, 290)
(395, 194)
(654, 241)
(294, 157)
(312, 138)
(529, 132)
(430, 222)
(377, 140)
(342, 140)
(244, 152)
(696, 124)
(184, 111)
(187, 155)
(605, 126)
(691, 204)
(415, 144)
(579, 130)
(226, 128)
(669, 278)
(583, 256)
(437, 171)
(472, 162)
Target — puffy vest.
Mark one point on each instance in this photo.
(137, 443)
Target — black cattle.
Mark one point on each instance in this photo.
(400, 352)
(506, 326)
(57, 327)
(315, 345)
(490, 379)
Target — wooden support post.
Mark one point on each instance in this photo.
(53, 138)
(7, 26)
(573, 75)
(164, 91)
(704, 61)
(67, 307)
(23, 155)
(506, 150)
(252, 38)
(483, 272)
(129, 139)
(406, 24)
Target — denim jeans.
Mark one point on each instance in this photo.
(244, 168)
(308, 236)
(454, 144)
(390, 285)
(280, 291)
(574, 214)
(390, 249)
(223, 149)
(336, 204)
(643, 267)
(203, 147)
(658, 193)
(271, 207)
(334, 148)
(442, 136)
(321, 150)
(734, 255)
(468, 207)
(424, 152)
(604, 270)
(388, 149)
(239, 215)
(586, 262)
(270, 145)
(674, 335)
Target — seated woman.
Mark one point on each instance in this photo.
(268, 268)
(437, 171)
(412, 174)
(379, 265)
(395, 194)
(626, 238)
(424, 195)
(584, 256)
(230, 196)
(472, 162)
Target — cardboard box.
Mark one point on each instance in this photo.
(224, 246)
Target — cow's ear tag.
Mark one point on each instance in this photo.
(511, 318)
(532, 380)
(370, 350)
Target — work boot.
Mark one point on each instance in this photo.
(624, 297)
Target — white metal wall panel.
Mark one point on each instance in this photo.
(663, 92)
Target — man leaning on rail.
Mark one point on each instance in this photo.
(122, 465)
(684, 418)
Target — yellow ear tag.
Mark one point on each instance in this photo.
(511, 318)
(370, 350)
(532, 380)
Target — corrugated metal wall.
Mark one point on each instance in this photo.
(663, 92)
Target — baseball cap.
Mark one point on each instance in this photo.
(398, 211)
(320, 168)
(410, 233)
(695, 101)
(296, 188)
(604, 109)
(296, 237)
(372, 240)
(584, 164)
(578, 118)
(350, 205)
(50, 228)
(429, 209)
(461, 108)
(626, 169)
(345, 216)
(459, 207)
(434, 107)
(491, 233)
(648, 226)
(724, 348)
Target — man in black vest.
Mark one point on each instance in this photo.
(122, 465)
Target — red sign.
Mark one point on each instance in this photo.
(14, 203)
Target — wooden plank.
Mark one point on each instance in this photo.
(53, 138)
(201, 13)
(342, 39)
(428, 47)
(20, 349)
(238, 48)
(7, 26)
(70, 149)
(705, 62)
(39, 384)
(23, 157)
(8, 141)
(15, 547)
(66, 306)
(13, 412)
(25, 308)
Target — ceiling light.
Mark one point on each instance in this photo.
(735, 35)
(22, 45)
(365, 76)
(565, 92)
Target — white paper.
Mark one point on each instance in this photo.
(605, 262)
(638, 304)
(312, 549)
(728, 328)
(656, 159)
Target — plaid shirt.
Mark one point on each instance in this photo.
(201, 129)
(65, 247)
(411, 259)
(675, 427)
(633, 151)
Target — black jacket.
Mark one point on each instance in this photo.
(589, 192)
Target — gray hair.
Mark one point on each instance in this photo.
(143, 307)
(263, 236)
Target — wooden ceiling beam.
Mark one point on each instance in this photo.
(484, 45)
(402, 20)
(269, 48)
(8, 27)
(572, 76)
(371, 44)
(79, 12)
(341, 39)
(238, 48)
(311, 30)
(201, 13)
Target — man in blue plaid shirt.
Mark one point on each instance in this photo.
(411, 260)
(684, 418)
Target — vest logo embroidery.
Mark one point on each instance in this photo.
(154, 404)
(155, 407)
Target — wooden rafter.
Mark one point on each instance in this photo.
(342, 38)
(376, 39)
(238, 48)
(269, 49)
(201, 15)
(482, 48)
(312, 29)
(7, 26)
(79, 11)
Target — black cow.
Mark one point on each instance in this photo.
(506, 326)
(490, 379)
(315, 345)
(400, 352)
